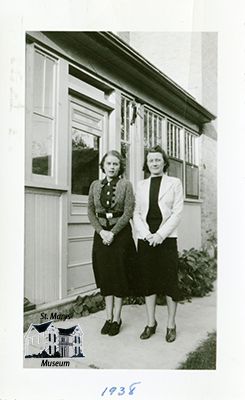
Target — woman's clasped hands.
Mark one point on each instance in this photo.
(154, 239)
(107, 237)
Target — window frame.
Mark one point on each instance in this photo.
(159, 116)
(193, 162)
(184, 131)
(33, 179)
(180, 153)
(182, 167)
(192, 196)
(79, 103)
(126, 141)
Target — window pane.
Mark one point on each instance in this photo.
(125, 155)
(174, 141)
(168, 138)
(38, 81)
(192, 181)
(42, 145)
(178, 155)
(193, 149)
(171, 140)
(49, 87)
(122, 118)
(145, 129)
(85, 161)
(186, 146)
(175, 169)
(150, 130)
(127, 120)
(159, 137)
(155, 131)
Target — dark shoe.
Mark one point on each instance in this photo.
(115, 328)
(106, 328)
(171, 334)
(148, 331)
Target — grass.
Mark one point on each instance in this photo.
(204, 357)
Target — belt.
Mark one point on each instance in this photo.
(109, 215)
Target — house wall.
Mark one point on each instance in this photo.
(208, 184)
(190, 227)
(44, 230)
(34, 342)
(209, 144)
(190, 59)
(177, 54)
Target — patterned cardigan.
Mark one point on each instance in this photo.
(124, 202)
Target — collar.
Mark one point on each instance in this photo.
(113, 182)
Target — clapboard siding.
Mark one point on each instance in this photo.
(43, 241)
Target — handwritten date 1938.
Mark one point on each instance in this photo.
(120, 390)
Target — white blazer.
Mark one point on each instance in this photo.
(170, 201)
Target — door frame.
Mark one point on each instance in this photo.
(82, 200)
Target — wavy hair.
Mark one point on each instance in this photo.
(156, 149)
(114, 153)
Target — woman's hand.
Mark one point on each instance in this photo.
(154, 239)
(149, 237)
(107, 237)
(110, 237)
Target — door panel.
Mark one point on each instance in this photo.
(88, 130)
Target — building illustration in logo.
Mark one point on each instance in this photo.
(46, 340)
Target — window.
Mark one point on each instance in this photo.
(43, 113)
(174, 150)
(49, 337)
(125, 132)
(153, 129)
(85, 161)
(191, 166)
(183, 159)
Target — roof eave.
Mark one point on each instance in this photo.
(204, 114)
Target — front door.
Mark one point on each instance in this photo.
(88, 132)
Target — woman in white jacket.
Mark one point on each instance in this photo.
(159, 204)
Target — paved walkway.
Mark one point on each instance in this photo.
(127, 351)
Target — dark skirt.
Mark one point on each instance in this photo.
(113, 265)
(158, 269)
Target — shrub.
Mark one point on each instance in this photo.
(133, 300)
(88, 304)
(197, 272)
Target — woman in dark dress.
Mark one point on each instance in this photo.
(159, 203)
(110, 208)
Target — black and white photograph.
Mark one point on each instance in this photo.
(120, 196)
(122, 209)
